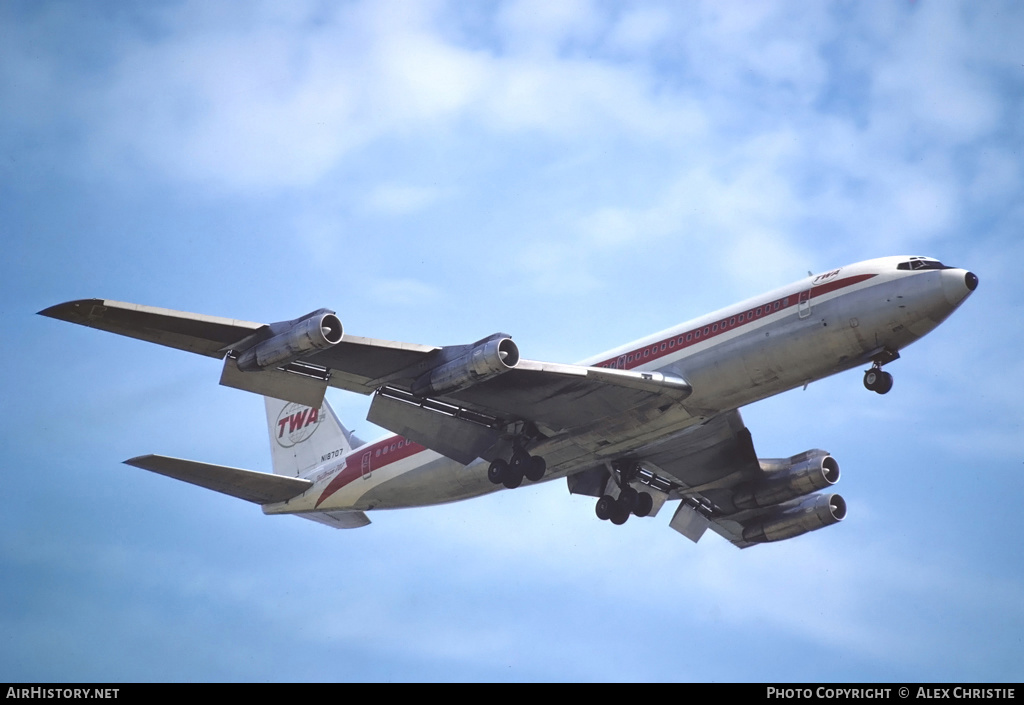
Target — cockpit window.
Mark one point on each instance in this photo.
(921, 263)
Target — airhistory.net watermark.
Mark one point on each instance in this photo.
(62, 693)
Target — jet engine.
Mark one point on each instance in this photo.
(488, 358)
(788, 478)
(796, 518)
(292, 340)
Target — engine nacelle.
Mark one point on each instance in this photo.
(788, 478)
(799, 517)
(490, 358)
(316, 331)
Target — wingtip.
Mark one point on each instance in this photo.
(70, 310)
(52, 311)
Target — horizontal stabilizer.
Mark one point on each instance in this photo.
(257, 487)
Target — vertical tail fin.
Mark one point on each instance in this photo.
(302, 437)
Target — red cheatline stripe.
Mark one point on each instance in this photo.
(381, 454)
(733, 322)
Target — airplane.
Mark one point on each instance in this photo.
(650, 422)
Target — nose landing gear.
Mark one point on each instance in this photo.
(877, 380)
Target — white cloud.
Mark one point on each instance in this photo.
(557, 267)
(279, 104)
(641, 28)
(541, 28)
(931, 80)
(997, 174)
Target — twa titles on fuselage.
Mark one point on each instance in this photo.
(650, 422)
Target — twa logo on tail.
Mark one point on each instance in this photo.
(295, 424)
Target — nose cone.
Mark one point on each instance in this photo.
(957, 285)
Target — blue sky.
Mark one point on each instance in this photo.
(577, 174)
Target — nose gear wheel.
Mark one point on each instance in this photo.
(877, 380)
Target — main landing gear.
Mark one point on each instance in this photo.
(630, 501)
(511, 473)
(877, 380)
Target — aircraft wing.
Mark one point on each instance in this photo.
(564, 397)
(553, 396)
(724, 486)
(717, 453)
(358, 360)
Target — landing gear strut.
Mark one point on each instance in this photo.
(511, 473)
(630, 501)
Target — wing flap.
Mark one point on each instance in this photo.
(276, 383)
(458, 439)
(256, 487)
(569, 396)
(689, 522)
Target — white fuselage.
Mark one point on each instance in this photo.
(799, 333)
